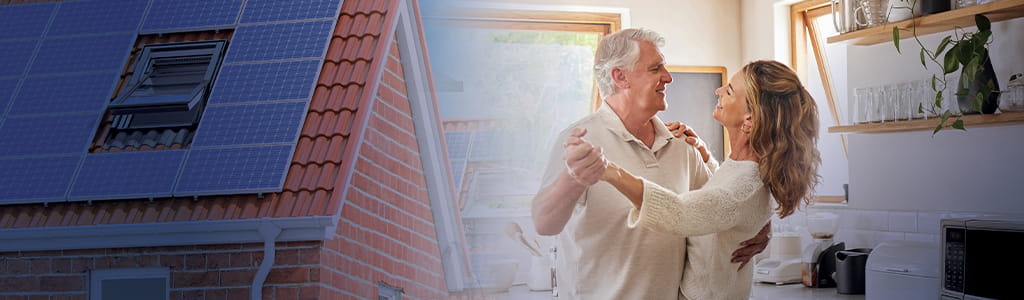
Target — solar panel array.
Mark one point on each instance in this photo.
(62, 62)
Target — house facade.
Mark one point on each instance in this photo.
(235, 149)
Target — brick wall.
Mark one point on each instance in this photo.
(387, 230)
(196, 272)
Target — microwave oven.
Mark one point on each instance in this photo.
(981, 258)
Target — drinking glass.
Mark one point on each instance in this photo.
(862, 105)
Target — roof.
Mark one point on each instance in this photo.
(313, 185)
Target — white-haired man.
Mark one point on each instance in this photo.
(599, 257)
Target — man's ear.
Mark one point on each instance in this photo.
(619, 77)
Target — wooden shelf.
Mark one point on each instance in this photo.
(970, 121)
(998, 10)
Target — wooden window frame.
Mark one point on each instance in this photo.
(801, 26)
(725, 80)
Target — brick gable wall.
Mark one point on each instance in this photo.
(387, 233)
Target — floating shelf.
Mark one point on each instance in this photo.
(970, 121)
(998, 10)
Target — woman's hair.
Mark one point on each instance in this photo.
(620, 50)
(784, 133)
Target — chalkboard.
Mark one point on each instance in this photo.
(691, 99)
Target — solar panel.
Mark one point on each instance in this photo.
(15, 56)
(458, 143)
(265, 82)
(58, 94)
(127, 175)
(83, 54)
(24, 21)
(7, 92)
(175, 15)
(279, 41)
(43, 135)
(282, 10)
(36, 179)
(250, 124)
(234, 170)
(97, 17)
(488, 145)
(458, 171)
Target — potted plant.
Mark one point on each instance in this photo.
(964, 51)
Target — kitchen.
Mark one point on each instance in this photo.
(881, 186)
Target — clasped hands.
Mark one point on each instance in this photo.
(586, 164)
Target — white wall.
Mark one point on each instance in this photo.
(697, 32)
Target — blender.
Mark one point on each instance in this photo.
(784, 261)
(819, 258)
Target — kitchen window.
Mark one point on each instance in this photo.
(131, 283)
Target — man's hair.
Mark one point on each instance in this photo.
(620, 50)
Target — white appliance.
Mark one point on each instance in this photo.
(783, 264)
(903, 270)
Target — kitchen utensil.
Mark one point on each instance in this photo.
(1012, 99)
(899, 269)
(842, 15)
(515, 232)
(540, 273)
(871, 13)
(819, 256)
(849, 273)
(783, 264)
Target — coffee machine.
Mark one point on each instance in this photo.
(819, 258)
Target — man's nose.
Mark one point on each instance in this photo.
(666, 77)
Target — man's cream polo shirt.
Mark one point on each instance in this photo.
(599, 257)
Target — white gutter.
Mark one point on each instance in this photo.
(269, 233)
(165, 234)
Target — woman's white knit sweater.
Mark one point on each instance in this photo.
(730, 208)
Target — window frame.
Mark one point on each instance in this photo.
(97, 276)
(185, 113)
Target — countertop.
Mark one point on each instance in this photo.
(759, 292)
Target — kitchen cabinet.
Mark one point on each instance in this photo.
(999, 10)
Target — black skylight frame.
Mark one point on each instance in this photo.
(169, 86)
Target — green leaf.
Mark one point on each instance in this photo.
(965, 51)
(938, 99)
(896, 38)
(935, 79)
(942, 45)
(1015, 76)
(942, 123)
(983, 22)
(950, 63)
(976, 104)
(920, 108)
(958, 124)
(923, 63)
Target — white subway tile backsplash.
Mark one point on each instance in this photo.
(922, 237)
(903, 221)
(856, 238)
(928, 222)
(881, 236)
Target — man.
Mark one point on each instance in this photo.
(599, 257)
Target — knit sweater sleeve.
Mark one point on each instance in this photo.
(719, 205)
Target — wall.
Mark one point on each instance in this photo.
(702, 33)
(197, 272)
(387, 229)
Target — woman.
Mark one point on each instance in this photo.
(773, 130)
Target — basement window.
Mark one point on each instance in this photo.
(169, 86)
(129, 284)
(388, 292)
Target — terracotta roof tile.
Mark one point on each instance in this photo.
(311, 185)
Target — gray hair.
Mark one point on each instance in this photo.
(620, 50)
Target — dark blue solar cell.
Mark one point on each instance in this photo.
(265, 82)
(279, 41)
(99, 16)
(489, 145)
(57, 94)
(458, 143)
(234, 170)
(458, 171)
(37, 179)
(24, 21)
(250, 124)
(127, 175)
(7, 92)
(41, 135)
(282, 10)
(15, 57)
(175, 15)
(83, 54)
